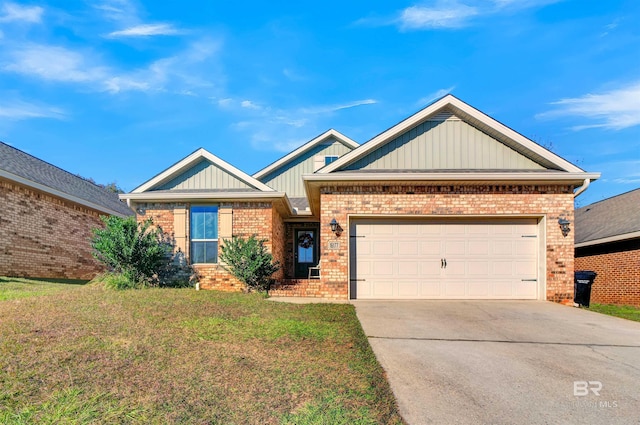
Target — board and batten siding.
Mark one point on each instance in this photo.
(288, 178)
(444, 143)
(204, 175)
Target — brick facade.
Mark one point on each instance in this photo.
(618, 268)
(249, 218)
(45, 236)
(548, 201)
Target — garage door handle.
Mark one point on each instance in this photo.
(529, 280)
(443, 263)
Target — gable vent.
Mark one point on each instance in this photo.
(443, 116)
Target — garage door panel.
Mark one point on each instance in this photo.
(382, 289)
(455, 289)
(408, 248)
(430, 248)
(383, 268)
(408, 289)
(408, 268)
(488, 259)
(382, 247)
(455, 247)
(478, 247)
(478, 288)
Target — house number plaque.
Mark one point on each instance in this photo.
(334, 245)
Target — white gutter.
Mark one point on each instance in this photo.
(58, 193)
(616, 238)
(582, 188)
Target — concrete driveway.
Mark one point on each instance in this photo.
(505, 362)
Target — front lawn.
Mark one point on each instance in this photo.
(12, 288)
(89, 355)
(624, 311)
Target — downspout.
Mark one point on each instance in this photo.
(582, 188)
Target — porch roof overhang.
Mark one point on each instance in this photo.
(314, 182)
(279, 199)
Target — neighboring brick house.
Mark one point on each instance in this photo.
(46, 218)
(448, 204)
(608, 243)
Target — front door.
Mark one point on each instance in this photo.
(305, 245)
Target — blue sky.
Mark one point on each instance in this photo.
(118, 90)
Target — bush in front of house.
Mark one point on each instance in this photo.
(139, 255)
(250, 262)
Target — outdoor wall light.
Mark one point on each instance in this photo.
(564, 226)
(334, 225)
(140, 210)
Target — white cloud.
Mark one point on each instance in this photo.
(334, 108)
(249, 105)
(615, 109)
(52, 63)
(434, 96)
(452, 14)
(19, 110)
(146, 30)
(13, 12)
(179, 74)
(442, 16)
(282, 129)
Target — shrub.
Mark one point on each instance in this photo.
(250, 262)
(135, 250)
(117, 281)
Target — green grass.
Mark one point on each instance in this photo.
(624, 311)
(12, 288)
(85, 355)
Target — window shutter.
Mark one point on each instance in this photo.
(180, 228)
(318, 162)
(225, 227)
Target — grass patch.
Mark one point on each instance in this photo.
(155, 356)
(12, 288)
(623, 311)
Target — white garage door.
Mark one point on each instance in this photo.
(448, 260)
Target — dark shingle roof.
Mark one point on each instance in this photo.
(20, 164)
(614, 216)
(299, 203)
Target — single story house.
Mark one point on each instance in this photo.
(608, 243)
(447, 204)
(47, 218)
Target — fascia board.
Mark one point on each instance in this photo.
(304, 148)
(480, 177)
(193, 158)
(57, 193)
(616, 238)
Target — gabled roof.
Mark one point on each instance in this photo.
(610, 220)
(467, 113)
(194, 159)
(25, 169)
(155, 190)
(331, 133)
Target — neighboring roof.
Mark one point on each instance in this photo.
(331, 133)
(483, 122)
(192, 160)
(610, 220)
(20, 167)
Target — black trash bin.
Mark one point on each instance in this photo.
(582, 282)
